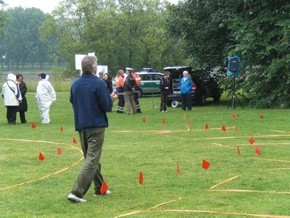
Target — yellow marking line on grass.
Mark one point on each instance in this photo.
(250, 191)
(223, 182)
(46, 176)
(153, 209)
(225, 213)
(274, 160)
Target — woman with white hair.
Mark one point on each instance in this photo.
(45, 95)
(186, 90)
(11, 96)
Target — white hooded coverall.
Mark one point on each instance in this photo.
(45, 95)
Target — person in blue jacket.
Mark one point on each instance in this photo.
(91, 101)
(186, 91)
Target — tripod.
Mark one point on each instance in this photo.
(234, 97)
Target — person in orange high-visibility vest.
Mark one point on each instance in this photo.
(120, 91)
(137, 90)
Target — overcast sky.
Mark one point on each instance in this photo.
(45, 5)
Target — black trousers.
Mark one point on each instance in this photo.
(186, 100)
(11, 114)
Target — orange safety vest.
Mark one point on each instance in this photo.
(137, 79)
(119, 81)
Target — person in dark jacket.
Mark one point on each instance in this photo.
(109, 83)
(129, 89)
(90, 100)
(165, 91)
(23, 104)
(186, 90)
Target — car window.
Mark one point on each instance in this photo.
(146, 77)
(156, 77)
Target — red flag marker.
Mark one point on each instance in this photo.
(178, 170)
(41, 157)
(186, 117)
(205, 164)
(59, 151)
(104, 188)
(163, 121)
(144, 120)
(206, 127)
(258, 151)
(252, 140)
(141, 178)
(261, 116)
(74, 140)
(224, 128)
(236, 129)
(239, 152)
(33, 125)
(234, 116)
(61, 129)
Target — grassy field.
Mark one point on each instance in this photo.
(243, 179)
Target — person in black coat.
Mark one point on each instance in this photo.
(109, 83)
(23, 104)
(165, 91)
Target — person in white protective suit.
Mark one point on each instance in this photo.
(45, 95)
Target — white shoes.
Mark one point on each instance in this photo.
(71, 197)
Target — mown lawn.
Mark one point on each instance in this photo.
(243, 179)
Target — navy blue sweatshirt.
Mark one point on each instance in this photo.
(91, 100)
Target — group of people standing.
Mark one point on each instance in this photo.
(127, 87)
(14, 97)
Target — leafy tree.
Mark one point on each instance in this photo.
(122, 33)
(21, 42)
(257, 31)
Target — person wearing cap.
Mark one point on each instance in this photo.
(91, 101)
(45, 95)
(23, 104)
(129, 88)
(11, 96)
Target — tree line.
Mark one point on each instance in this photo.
(154, 33)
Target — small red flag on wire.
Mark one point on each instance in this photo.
(144, 120)
(258, 151)
(178, 170)
(224, 128)
(206, 127)
(261, 116)
(163, 121)
(205, 164)
(234, 116)
(41, 157)
(74, 140)
(61, 129)
(141, 178)
(59, 151)
(104, 188)
(239, 151)
(252, 140)
(33, 125)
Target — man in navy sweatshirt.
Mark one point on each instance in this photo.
(90, 100)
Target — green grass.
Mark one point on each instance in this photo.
(155, 149)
